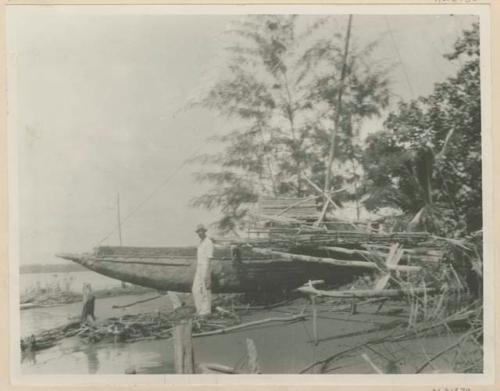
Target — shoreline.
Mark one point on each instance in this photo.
(345, 336)
(48, 298)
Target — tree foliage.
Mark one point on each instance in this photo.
(277, 86)
(428, 158)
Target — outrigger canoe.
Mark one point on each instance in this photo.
(173, 269)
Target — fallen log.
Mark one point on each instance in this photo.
(307, 258)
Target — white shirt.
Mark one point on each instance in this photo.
(205, 252)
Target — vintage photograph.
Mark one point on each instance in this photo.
(245, 193)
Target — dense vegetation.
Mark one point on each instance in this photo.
(428, 159)
(279, 86)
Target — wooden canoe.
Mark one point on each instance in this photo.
(173, 269)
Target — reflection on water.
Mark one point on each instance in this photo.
(275, 352)
(28, 357)
(92, 360)
(73, 356)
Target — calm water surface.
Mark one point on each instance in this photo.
(68, 281)
(281, 347)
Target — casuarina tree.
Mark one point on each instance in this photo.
(277, 86)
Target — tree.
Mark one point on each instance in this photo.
(276, 86)
(428, 158)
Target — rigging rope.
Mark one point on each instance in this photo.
(399, 57)
(152, 194)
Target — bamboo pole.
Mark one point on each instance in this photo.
(366, 292)
(376, 253)
(119, 218)
(294, 205)
(345, 250)
(136, 302)
(307, 258)
(278, 219)
(338, 108)
(250, 324)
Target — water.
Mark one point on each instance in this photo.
(336, 330)
(43, 318)
(74, 356)
(275, 352)
(67, 281)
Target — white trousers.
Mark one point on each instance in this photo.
(201, 295)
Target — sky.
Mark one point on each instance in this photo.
(97, 107)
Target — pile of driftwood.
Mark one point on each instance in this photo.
(127, 328)
(395, 345)
(430, 275)
(49, 338)
(399, 263)
(149, 326)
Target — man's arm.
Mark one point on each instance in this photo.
(209, 252)
(210, 248)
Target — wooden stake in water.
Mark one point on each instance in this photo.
(183, 340)
(314, 319)
(183, 347)
(253, 365)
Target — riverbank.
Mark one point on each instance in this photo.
(346, 342)
(46, 297)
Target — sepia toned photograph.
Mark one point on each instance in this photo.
(230, 193)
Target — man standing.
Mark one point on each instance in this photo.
(202, 280)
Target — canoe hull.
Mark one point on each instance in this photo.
(168, 270)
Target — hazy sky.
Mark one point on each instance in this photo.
(97, 100)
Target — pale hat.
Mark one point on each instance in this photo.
(200, 227)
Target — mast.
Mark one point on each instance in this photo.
(119, 218)
(338, 109)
